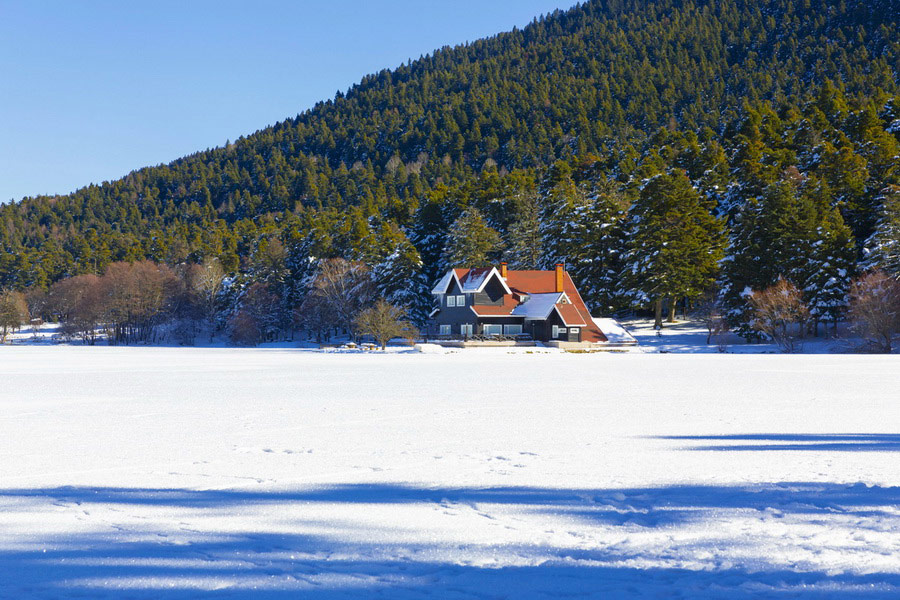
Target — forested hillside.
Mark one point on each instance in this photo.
(774, 125)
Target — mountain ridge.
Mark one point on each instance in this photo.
(601, 79)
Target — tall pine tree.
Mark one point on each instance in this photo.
(675, 243)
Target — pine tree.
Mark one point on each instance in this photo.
(471, 242)
(524, 246)
(301, 266)
(597, 266)
(883, 248)
(826, 260)
(400, 280)
(793, 232)
(563, 203)
(674, 244)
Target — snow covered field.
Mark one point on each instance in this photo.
(276, 474)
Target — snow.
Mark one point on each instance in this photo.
(538, 306)
(690, 337)
(475, 279)
(444, 283)
(277, 473)
(613, 330)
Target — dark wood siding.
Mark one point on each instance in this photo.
(452, 315)
(492, 294)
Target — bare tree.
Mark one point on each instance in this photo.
(13, 313)
(315, 317)
(76, 302)
(136, 298)
(779, 313)
(710, 312)
(384, 322)
(205, 283)
(875, 309)
(340, 290)
(36, 300)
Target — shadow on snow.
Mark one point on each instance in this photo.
(274, 566)
(830, 442)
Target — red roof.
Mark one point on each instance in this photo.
(570, 315)
(539, 282)
(490, 310)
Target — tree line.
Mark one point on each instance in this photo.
(668, 152)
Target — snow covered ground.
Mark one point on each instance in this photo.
(276, 474)
(690, 336)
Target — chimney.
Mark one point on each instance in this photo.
(560, 268)
(503, 270)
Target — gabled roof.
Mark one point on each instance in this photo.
(571, 316)
(543, 298)
(469, 280)
(538, 306)
(444, 283)
(575, 314)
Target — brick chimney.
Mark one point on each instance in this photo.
(560, 268)
(503, 270)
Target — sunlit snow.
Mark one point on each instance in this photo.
(276, 474)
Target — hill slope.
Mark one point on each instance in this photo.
(604, 83)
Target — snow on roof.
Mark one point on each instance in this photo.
(474, 279)
(469, 280)
(614, 331)
(533, 284)
(441, 287)
(538, 306)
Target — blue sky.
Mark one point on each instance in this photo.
(94, 89)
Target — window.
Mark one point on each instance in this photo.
(445, 330)
(512, 329)
(465, 329)
(451, 301)
(555, 331)
(493, 329)
(460, 300)
(562, 330)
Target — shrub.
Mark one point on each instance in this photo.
(875, 309)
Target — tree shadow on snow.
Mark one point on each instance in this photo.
(270, 561)
(830, 442)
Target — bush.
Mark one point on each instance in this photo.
(875, 309)
(384, 322)
(780, 314)
(244, 329)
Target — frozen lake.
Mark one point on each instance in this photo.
(276, 474)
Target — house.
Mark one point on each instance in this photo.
(488, 301)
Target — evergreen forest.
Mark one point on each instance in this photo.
(667, 151)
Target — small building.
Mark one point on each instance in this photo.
(493, 302)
